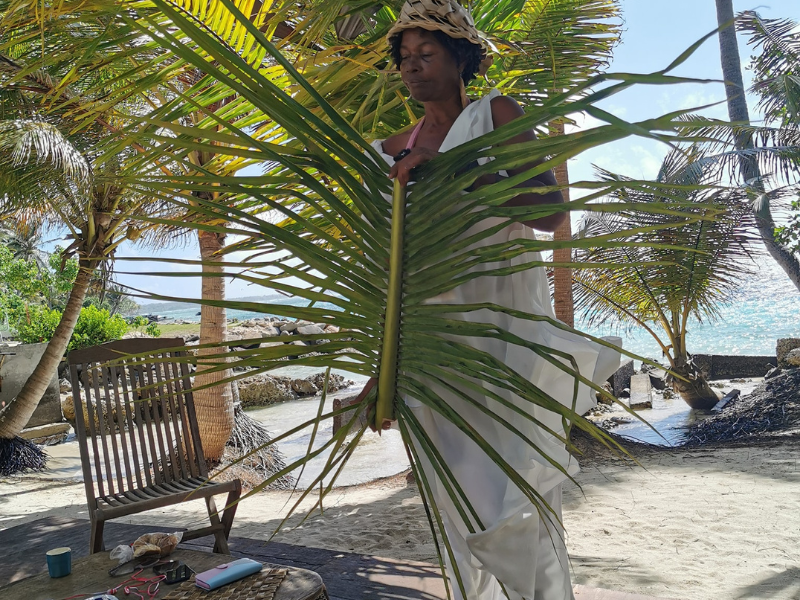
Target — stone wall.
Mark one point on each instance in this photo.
(718, 366)
(17, 367)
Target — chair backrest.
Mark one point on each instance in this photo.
(135, 417)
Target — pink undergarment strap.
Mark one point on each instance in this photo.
(414, 134)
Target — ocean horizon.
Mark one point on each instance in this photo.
(765, 308)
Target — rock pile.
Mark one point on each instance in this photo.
(773, 407)
(274, 332)
(263, 389)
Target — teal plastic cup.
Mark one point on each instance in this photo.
(59, 562)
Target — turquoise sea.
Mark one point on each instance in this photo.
(766, 308)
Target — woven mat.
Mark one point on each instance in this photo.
(261, 586)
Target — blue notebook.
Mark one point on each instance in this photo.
(227, 573)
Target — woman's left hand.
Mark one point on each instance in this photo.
(402, 169)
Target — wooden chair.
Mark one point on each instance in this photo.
(138, 436)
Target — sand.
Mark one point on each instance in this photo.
(714, 523)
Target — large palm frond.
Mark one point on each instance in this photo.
(776, 66)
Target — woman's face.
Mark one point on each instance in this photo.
(427, 68)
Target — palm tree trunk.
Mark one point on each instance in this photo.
(17, 413)
(738, 113)
(214, 405)
(562, 277)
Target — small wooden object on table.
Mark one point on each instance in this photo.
(90, 574)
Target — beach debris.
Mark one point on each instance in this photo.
(772, 408)
(18, 455)
(730, 396)
(255, 461)
(621, 420)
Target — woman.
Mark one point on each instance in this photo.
(438, 51)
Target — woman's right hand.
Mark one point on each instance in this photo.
(370, 412)
(402, 169)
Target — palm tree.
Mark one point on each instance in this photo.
(563, 299)
(684, 283)
(25, 242)
(749, 167)
(47, 178)
(777, 83)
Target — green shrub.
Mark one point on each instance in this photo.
(95, 326)
(138, 321)
(153, 330)
(38, 324)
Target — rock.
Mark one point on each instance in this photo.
(783, 347)
(19, 361)
(331, 329)
(774, 372)
(46, 434)
(793, 358)
(271, 344)
(335, 382)
(310, 330)
(135, 335)
(304, 387)
(285, 333)
(641, 392)
(289, 327)
(64, 386)
(621, 379)
(603, 399)
(410, 479)
(269, 331)
(191, 338)
(261, 390)
(668, 394)
(658, 378)
(68, 408)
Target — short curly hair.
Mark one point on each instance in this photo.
(463, 51)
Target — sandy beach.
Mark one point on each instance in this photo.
(701, 524)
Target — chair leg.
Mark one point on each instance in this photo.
(230, 511)
(221, 541)
(96, 540)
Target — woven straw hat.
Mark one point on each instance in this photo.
(447, 16)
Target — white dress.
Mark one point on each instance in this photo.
(517, 549)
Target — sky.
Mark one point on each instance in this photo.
(655, 33)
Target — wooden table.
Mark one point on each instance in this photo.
(90, 574)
